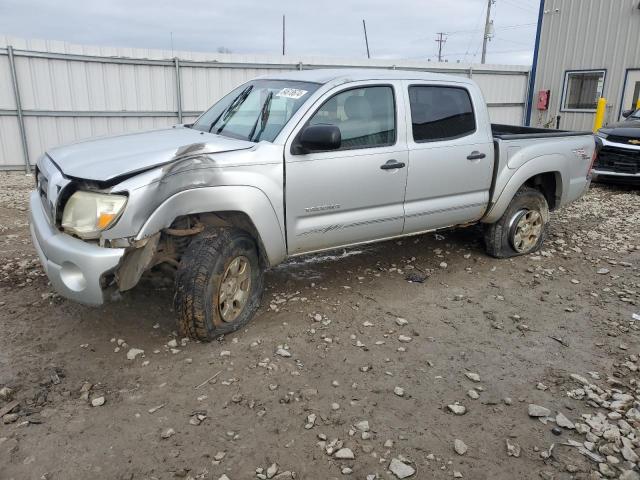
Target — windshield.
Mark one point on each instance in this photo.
(635, 114)
(257, 110)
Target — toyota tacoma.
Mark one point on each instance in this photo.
(289, 164)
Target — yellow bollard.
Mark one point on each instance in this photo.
(599, 120)
(638, 104)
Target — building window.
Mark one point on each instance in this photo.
(582, 89)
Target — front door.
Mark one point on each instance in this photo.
(631, 94)
(356, 193)
(450, 155)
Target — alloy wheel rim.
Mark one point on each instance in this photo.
(526, 230)
(235, 288)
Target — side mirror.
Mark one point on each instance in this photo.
(626, 113)
(316, 138)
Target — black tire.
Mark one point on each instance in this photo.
(499, 237)
(199, 278)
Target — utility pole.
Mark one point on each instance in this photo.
(366, 40)
(441, 41)
(487, 30)
(283, 25)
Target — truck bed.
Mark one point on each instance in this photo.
(518, 148)
(514, 132)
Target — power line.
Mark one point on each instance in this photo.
(453, 54)
(513, 3)
(513, 41)
(475, 30)
(492, 51)
(505, 27)
(471, 37)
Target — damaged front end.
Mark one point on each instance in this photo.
(111, 211)
(165, 247)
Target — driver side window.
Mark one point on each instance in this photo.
(365, 116)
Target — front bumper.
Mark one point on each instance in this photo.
(75, 268)
(617, 161)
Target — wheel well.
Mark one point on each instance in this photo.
(239, 220)
(169, 245)
(550, 185)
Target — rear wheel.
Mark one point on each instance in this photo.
(522, 227)
(218, 285)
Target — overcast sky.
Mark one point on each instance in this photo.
(396, 29)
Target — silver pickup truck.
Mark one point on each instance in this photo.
(289, 164)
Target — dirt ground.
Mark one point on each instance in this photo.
(524, 326)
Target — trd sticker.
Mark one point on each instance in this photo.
(582, 154)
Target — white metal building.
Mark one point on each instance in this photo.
(585, 49)
(53, 93)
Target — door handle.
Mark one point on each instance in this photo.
(392, 165)
(475, 155)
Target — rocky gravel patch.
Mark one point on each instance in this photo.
(483, 369)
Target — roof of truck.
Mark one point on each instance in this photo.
(339, 75)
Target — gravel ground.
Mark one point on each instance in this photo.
(490, 369)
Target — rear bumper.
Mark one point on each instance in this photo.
(615, 177)
(575, 189)
(75, 268)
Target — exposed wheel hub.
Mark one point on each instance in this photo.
(526, 230)
(234, 289)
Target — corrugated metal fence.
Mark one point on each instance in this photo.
(53, 93)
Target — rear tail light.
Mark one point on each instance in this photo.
(596, 151)
(594, 157)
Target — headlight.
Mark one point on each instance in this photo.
(86, 214)
(602, 134)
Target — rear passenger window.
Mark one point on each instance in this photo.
(365, 116)
(440, 113)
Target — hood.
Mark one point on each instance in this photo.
(106, 158)
(627, 128)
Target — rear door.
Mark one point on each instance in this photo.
(356, 193)
(450, 155)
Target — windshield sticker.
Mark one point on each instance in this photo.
(294, 93)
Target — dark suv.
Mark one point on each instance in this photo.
(619, 156)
